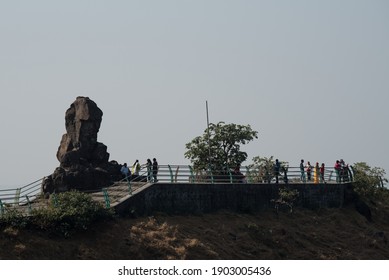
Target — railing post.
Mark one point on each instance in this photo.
(248, 175)
(29, 205)
(129, 186)
(106, 198)
(211, 174)
(171, 174)
(1, 208)
(176, 175)
(17, 196)
(192, 178)
(329, 179)
(351, 172)
(229, 173)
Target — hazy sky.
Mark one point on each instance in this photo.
(312, 77)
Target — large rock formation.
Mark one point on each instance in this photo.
(83, 161)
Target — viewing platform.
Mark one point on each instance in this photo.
(182, 187)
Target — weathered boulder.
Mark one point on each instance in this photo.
(82, 122)
(84, 162)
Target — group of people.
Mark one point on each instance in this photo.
(308, 169)
(342, 171)
(152, 170)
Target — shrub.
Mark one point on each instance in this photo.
(286, 197)
(369, 182)
(69, 212)
(14, 218)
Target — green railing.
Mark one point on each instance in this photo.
(22, 197)
(253, 175)
(187, 174)
(26, 195)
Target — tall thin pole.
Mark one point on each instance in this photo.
(209, 137)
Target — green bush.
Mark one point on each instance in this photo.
(286, 197)
(69, 212)
(14, 218)
(369, 182)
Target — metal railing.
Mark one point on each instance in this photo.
(20, 197)
(26, 195)
(186, 174)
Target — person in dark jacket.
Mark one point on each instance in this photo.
(155, 170)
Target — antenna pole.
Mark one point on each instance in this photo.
(209, 138)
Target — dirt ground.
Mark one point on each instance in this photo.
(305, 234)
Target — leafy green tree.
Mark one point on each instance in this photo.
(222, 149)
(369, 181)
(262, 169)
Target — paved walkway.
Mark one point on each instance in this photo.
(118, 192)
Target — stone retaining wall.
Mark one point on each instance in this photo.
(184, 198)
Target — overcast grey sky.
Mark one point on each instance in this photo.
(310, 76)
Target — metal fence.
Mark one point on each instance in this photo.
(20, 197)
(186, 174)
(27, 195)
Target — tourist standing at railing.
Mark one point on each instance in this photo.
(344, 171)
(155, 170)
(309, 171)
(316, 173)
(322, 169)
(136, 168)
(302, 170)
(337, 168)
(149, 166)
(125, 171)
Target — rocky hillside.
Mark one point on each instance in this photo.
(305, 234)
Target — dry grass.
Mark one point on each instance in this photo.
(162, 240)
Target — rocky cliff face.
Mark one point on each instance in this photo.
(84, 162)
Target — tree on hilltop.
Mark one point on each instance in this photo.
(219, 146)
